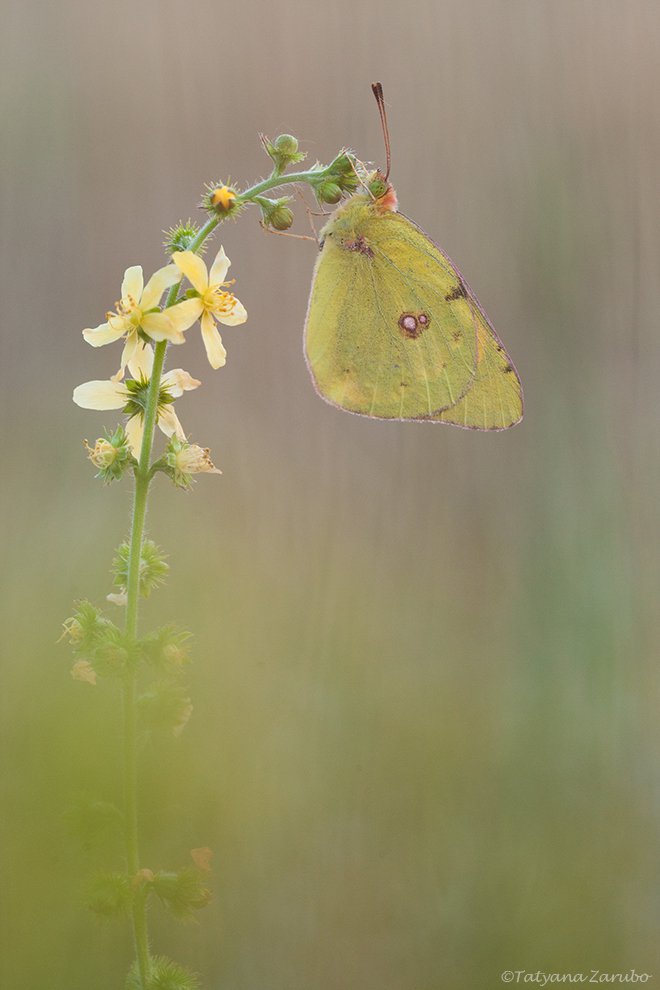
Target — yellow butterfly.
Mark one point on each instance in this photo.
(393, 330)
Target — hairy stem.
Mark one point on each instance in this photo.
(142, 479)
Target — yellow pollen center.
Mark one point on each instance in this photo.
(218, 301)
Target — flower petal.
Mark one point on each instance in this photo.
(184, 314)
(177, 381)
(141, 361)
(168, 422)
(193, 268)
(219, 268)
(100, 395)
(134, 431)
(237, 314)
(131, 345)
(159, 326)
(132, 283)
(155, 287)
(105, 333)
(215, 352)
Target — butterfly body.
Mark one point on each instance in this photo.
(393, 331)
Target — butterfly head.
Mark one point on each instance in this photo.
(382, 191)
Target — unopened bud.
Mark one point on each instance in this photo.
(283, 150)
(275, 212)
(328, 192)
(286, 144)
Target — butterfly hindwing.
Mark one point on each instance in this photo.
(495, 401)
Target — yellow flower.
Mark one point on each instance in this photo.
(137, 311)
(213, 302)
(129, 395)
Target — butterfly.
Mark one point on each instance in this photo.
(393, 330)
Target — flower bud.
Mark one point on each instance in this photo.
(109, 895)
(164, 974)
(328, 192)
(286, 144)
(283, 150)
(275, 212)
(343, 171)
(153, 567)
(281, 218)
(180, 237)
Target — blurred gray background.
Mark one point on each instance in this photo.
(425, 739)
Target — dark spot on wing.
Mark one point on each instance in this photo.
(413, 325)
(508, 369)
(360, 245)
(458, 292)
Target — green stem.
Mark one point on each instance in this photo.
(313, 175)
(272, 182)
(142, 480)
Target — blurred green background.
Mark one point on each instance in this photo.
(425, 739)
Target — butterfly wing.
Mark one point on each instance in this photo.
(495, 400)
(367, 355)
(382, 336)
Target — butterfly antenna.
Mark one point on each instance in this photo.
(377, 90)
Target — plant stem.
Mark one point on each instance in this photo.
(280, 180)
(272, 182)
(142, 480)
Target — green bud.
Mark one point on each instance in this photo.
(180, 237)
(164, 975)
(281, 218)
(328, 192)
(153, 568)
(275, 212)
(87, 629)
(343, 164)
(286, 144)
(283, 150)
(109, 895)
